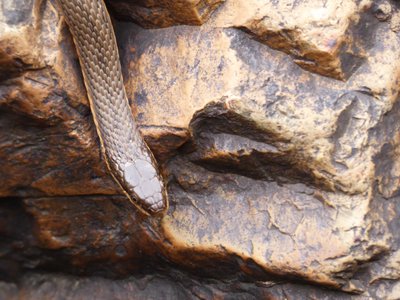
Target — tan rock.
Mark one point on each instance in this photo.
(279, 237)
(47, 135)
(315, 125)
(273, 170)
(160, 286)
(18, 31)
(165, 13)
(318, 34)
(87, 230)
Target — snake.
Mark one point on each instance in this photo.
(127, 156)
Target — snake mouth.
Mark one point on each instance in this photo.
(147, 208)
(159, 207)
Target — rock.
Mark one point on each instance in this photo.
(326, 37)
(383, 10)
(48, 141)
(8, 290)
(321, 132)
(274, 172)
(161, 286)
(165, 13)
(97, 233)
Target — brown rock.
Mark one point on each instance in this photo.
(47, 137)
(321, 36)
(95, 224)
(249, 91)
(162, 286)
(165, 13)
(94, 233)
(383, 10)
(274, 172)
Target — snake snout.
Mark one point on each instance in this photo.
(158, 207)
(142, 182)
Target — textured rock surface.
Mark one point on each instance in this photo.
(322, 36)
(275, 173)
(165, 13)
(46, 139)
(171, 286)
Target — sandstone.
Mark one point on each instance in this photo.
(97, 236)
(276, 170)
(165, 13)
(45, 286)
(322, 132)
(46, 134)
(319, 35)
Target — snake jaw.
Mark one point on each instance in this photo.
(142, 183)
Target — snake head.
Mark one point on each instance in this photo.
(144, 186)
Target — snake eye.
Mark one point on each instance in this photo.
(143, 184)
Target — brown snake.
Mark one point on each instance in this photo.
(128, 158)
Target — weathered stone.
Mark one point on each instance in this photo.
(18, 32)
(95, 234)
(165, 13)
(302, 123)
(322, 36)
(47, 137)
(383, 10)
(161, 286)
(8, 290)
(274, 172)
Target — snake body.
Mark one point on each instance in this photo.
(128, 158)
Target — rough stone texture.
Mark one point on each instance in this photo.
(98, 237)
(46, 140)
(161, 286)
(164, 13)
(275, 173)
(322, 36)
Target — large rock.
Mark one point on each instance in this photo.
(48, 141)
(274, 172)
(326, 37)
(164, 286)
(165, 13)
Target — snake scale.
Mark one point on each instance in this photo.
(128, 158)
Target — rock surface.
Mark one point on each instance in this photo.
(165, 13)
(277, 171)
(161, 286)
(322, 36)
